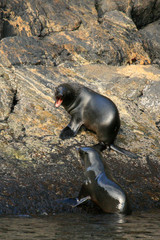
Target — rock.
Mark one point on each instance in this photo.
(80, 34)
(150, 99)
(33, 154)
(104, 6)
(151, 35)
(40, 49)
(30, 50)
(1, 25)
(130, 50)
(39, 18)
(141, 12)
(114, 41)
(145, 12)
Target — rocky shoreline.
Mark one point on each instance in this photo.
(113, 48)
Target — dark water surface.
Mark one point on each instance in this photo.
(140, 225)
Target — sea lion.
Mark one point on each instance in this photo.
(100, 186)
(92, 110)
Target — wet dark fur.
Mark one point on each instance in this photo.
(96, 112)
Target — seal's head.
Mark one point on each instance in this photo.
(91, 158)
(64, 95)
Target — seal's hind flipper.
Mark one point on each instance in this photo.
(123, 151)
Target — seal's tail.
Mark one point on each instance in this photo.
(123, 151)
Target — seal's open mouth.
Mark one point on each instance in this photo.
(58, 102)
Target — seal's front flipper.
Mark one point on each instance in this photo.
(72, 129)
(66, 133)
(72, 202)
(82, 200)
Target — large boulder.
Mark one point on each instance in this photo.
(113, 40)
(151, 40)
(145, 12)
(142, 12)
(15, 51)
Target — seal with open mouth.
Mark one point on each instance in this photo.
(92, 110)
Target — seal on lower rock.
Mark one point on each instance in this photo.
(96, 112)
(99, 185)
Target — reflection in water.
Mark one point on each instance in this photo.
(82, 226)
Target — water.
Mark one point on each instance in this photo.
(142, 225)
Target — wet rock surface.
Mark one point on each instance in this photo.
(41, 48)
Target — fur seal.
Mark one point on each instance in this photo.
(92, 110)
(100, 186)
